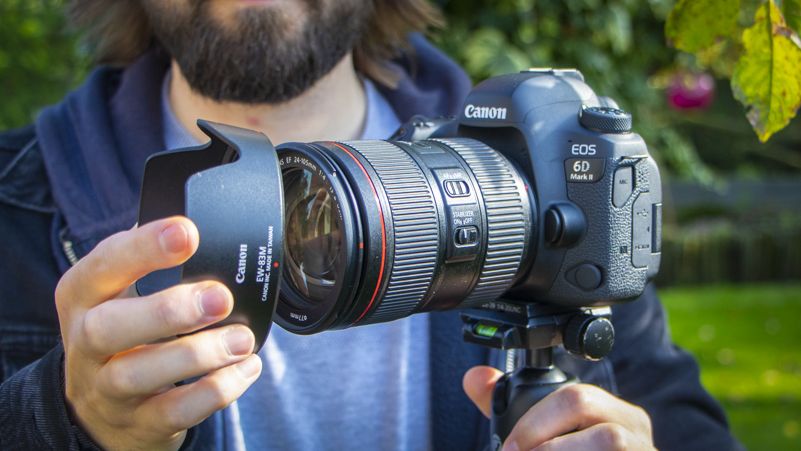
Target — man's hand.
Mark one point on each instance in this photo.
(122, 354)
(576, 417)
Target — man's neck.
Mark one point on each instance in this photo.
(334, 108)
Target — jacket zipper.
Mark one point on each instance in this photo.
(69, 252)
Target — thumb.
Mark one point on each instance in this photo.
(479, 383)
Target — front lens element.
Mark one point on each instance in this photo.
(313, 235)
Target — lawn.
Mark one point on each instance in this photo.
(747, 339)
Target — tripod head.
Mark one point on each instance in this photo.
(534, 329)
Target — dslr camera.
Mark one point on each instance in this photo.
(538, 192)
(534, 210)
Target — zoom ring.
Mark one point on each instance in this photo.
(415, 224)
(507, 207)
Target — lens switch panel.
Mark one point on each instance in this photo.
(465, 219)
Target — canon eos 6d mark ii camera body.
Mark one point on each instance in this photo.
(537, 193)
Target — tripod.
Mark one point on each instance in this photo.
(535, 330)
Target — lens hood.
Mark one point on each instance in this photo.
(231, 188)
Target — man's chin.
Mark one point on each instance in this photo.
(237, 52)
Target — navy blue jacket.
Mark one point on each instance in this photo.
(73, 179)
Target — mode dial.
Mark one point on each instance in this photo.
(605, 119)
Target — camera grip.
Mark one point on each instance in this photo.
(515, 393)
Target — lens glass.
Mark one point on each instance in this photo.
(313, 236)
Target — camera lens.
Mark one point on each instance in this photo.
(378, 230)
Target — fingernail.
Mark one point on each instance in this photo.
(238, 341)
(250, 367)
(173, 239)
(510, 446)
(213, 301)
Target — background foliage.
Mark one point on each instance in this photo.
(39, 60)
(753, 42)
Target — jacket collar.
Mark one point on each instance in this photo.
(94, 145)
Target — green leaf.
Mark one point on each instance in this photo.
(488, 52)
(619, 29)
(767, 79)
(695, 25)
(792, 14)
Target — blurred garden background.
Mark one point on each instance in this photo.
(731, 271)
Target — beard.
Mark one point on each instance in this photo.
(257, 54)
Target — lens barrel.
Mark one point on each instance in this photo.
(378, 230)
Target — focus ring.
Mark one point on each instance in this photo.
(415, 224)
(507, 207)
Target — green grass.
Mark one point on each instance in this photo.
(747, 339)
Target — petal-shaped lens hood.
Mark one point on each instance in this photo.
(231, 188)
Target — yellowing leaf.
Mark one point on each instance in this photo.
(695, 25)
(767, 78)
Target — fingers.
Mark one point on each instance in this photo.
(602, 437)
(188, 405)
(479, 383)
(121, 324)
(122, 258)
(577, 407)
(148, 369)
(572, 408)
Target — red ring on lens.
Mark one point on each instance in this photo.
(383, 231)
